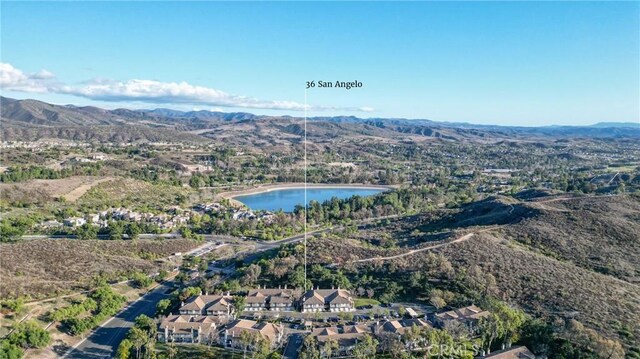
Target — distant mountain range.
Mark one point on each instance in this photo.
(32, 119)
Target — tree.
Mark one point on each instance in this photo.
(251, 274)
(116, 229)
(87, 231)
(261, 347)
(147, 324)
(390, 343)
(9, 350)
(402, 311)
(16, 306)
(412, 337)
(329, 347)
(537, 336)
(188, 293)
(138, 338)
(172, 351)
(366, 347)
(239, 303)
(491, 328)
(439, 298)
(133, 230)
(440, 340)
(458, 330)
(124, 349)
(162, 275)
(163, 307)
(309, 348)
(246, 338)
(29, 335)
(141, 280)
(512, 320)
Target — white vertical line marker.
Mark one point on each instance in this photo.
(305, 190)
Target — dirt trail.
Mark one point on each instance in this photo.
(462, 238)
(76, 193)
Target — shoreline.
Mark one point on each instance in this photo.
(231, 195)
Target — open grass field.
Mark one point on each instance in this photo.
(42, 268)
(132, 194)
(40, 191)
(359, 302)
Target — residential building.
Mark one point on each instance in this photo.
(468, 315)
(346, 337)
(189, 329)
(74, 221)
(231, 337)
(517, 352)
(399, 327)
(220, 305)
(270, 299)
(331, 300)
(412, 313)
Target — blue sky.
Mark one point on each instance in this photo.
(512, 63)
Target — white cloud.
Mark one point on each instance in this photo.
(146, 91)
(151, 91)
(43, 75)
(14, 79)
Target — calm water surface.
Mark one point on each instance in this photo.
(287, 199)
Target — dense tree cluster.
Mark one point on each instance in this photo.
(102, 303)
(20, 174)
(24, 335)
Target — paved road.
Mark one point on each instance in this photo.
(103, 342)
(291, 351)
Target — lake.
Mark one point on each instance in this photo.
(287, 198)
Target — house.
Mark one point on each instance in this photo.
(270, 299)
(231, 337)
(412, 313)
(399, 327)
(396, 328)
(74, 221)
(517, 352)
(50, 224)
(220, 305)
(346, 337)
(468, 315)
(189, 329)
(331, 300)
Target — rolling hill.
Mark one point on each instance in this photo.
(31, 120)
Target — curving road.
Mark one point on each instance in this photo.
(103, 341)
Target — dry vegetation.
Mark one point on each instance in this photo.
(599, 234)
(41, 191)
(547, 256)
(132, 193)
(546, 286)
(47, 267)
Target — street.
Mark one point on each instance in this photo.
(103, 342)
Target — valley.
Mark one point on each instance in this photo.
(531, 223)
